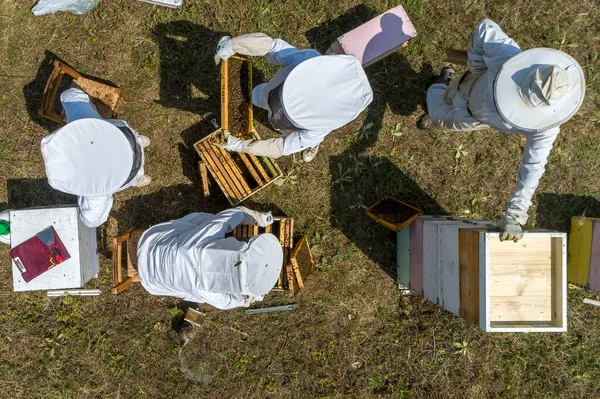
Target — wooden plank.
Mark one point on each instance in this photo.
(580, 248)
(559, 293)
(122, 286)
(255, 230)
(416, 256)
(282, 242)
(225, 94)
(246, 160)
(269, 228)
(521, 309)
(468, 261)
(594, 273)
(217, 164)
(204, 178)
(216, 172)
(430, 261)
(403, 257)
(448, 265)
(260, 168)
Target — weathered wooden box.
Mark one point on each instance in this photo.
(511, 287)
(584, 253)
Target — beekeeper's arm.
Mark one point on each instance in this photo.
(532, 168)
(94, 210)
(278, 51)
(274, 148)
(490, 48)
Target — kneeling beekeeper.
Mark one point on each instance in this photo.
(93, 158)
(190, 258)
(311, 95)
(528, 92)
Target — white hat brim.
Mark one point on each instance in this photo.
(517, 112)
(87, 157)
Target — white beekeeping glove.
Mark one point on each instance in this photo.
(511, 229)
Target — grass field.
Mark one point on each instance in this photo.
(352, 334)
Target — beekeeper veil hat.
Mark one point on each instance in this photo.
(539, 89)
(262, 264)
(326, 92)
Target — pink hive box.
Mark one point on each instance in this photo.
(377, 38)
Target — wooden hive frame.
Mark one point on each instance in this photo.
(107, 99)
(129, 239)
(238, 175)
(584, 253)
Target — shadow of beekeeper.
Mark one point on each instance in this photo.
(358, 179)
(554, 211)
(190, 81)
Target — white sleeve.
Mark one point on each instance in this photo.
(490, 48)
(94, 210)
(532, 168)
(301, 140)
(284, 54)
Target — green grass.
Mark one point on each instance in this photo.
(352, 335)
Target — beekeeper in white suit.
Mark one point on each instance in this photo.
(190, 258)
(93, 158)
(528, 92)
(311, 95)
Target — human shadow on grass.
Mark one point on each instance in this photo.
(359, 180)
(554, 211)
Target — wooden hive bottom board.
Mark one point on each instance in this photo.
(521, 278)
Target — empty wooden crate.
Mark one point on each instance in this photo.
(510, 287)
(584, 253)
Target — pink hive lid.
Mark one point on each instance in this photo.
(381, 35)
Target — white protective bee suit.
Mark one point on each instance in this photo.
(91, 157)
(311, 95)
(190, 258)
(529, 93)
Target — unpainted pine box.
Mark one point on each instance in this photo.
(448, 274)
(513, 287)
(584, 253)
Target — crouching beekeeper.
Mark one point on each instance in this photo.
(528, 92)
(311, 95)
(190, 258)
(93, 158)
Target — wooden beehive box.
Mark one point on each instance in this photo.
(511, 287)
(238, 175)
(297, 260)
(377, 38)
(393, 213)
(584, 253)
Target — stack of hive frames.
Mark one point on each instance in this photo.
(238, 175)
(297, 261)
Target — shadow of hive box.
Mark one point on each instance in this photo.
(107, 99)
(238, 175)
(584, 253)
(297, 261)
